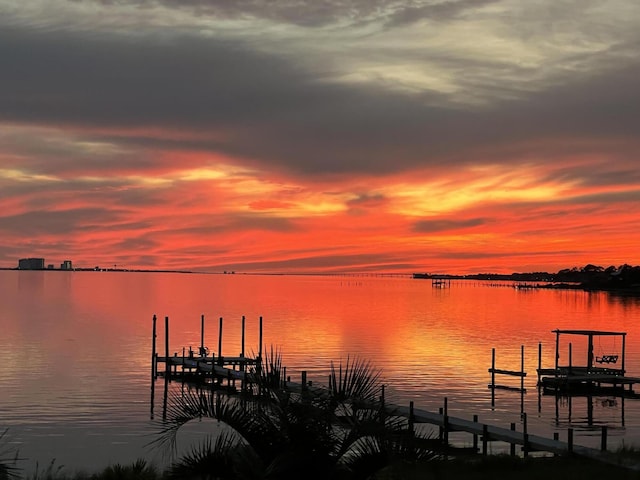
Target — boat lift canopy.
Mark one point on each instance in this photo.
(590, 357)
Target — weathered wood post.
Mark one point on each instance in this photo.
(556, 437)
(165, 394)
(260, 340)
(603, 439)
(202, 352)
(493, 368)
(539, 361)
(557, 350)
(525, 436)
(522, 370)
(220, 360)
(154, 366)
(445, 421)
(167, 361)
(522, 375)
(411, 418)
(304, 380)
(512, 446)
(493, 377)
(475, 436)
(570, 440)
(485, 439)
(624, 338)
(242, 347)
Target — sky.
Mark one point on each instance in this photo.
(327, 136)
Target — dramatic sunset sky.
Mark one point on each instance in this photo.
(453, 136)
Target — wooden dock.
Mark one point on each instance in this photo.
(206, 367)
(217, 371)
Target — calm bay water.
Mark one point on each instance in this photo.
(76, 347)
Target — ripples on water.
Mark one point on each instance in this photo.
(76, 350)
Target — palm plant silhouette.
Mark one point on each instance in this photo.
(339, 432)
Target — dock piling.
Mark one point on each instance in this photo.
(202, 351)
(445, 421)
(242, 346)
(512, 446)
(220, 342)
(167, 366)
(539, 361)
(485, 439)
(475, 435)
(154, 365)
(525, 436)
(260, 341)
(411, 417)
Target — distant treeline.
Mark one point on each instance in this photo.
(587, 277)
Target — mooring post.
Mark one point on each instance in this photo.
(167, 364)
(624, 345)
(154, 367)
(202, 352)
(441, 427)
(556, 437)
(475, 436)
(304, 380)
(512, 445)
(220, 360)
(493, 377)
(242, 350)
(525, 436)
(445, 421)
(522, 372)
(382, 395)
(260, 340)
(411, 417)
(539, 361)
(603, 439)
(493, 368)
(557, 350)
(570, 440)
(485, 439)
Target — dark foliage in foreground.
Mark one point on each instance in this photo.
(8, 459)
(338, 432)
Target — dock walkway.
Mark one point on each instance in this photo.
(216, 369)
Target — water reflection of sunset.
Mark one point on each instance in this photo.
(87, 336)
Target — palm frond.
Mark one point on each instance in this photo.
(259, 424)
(356, 381)
(8, 459)
(371, 453)
(138, 470)
(271, 370)
(209, 459)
